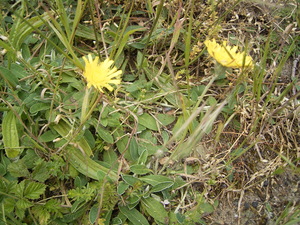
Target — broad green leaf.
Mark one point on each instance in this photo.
(18, 70)
(162, 186)
(156, 179)
(10, 135)
(48, 136)
(39, 107)
(122, 144)
(33, 190)
(9, 77)
(93, 213)
(65, 129)
(140, 169)
(87, 166)
(111, 158)
(165, 119)
(148, 121)
(143, 157)
(122, 187)
(134, 216)
(2, 170)
(105, 135)
(155, 209)
(134, 199)
(133, 149)
(130, 179)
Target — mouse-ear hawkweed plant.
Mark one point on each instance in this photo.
(228, 56)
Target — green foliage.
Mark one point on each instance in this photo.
(157, 149)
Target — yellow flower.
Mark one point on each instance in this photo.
(228, 56)
(101, 74)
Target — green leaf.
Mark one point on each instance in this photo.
(87, 166)
(148, 121)
(42, 214)
(134, 200)
(140, 169)
(105, 135)
(9, 77)
(33, 190)
(133, 149)
(122, 187)
(130, 179)
(23, 204)
(39, 107)
(2, 170)
(111, 158)
(93, 213)
(41, 171)
(18, 169)
(155, 209)
(48, 136)
(156, 179)
(165, 119)
(65, 129)
(10, 135)
(162, 186)
(134, 216)
(143, 157)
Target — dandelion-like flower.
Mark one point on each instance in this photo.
(101, 74)
(228, 56)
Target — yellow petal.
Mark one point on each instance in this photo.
(101, 74)
(228, 56)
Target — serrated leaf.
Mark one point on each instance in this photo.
(134, 216)
(41, 171)
(18, 169)
(33, 190)
(23, 204)
(42, 214)
(155, 209)
(148, 121)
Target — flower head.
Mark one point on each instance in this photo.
(101, 74)
(228, 56)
